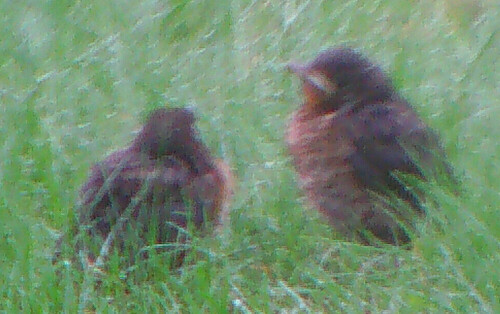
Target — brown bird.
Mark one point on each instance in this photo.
(147, 193)
(349, 141)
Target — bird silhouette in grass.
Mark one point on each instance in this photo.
(352, 142)
(152, 193)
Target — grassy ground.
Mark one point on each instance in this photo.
(77, 77)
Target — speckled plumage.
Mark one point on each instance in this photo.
(169, 177)
(348, 141)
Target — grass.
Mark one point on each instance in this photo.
(77, 77)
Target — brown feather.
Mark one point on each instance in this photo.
(349, 140)
(165, 180)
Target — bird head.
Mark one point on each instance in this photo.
(338, 75)
(166, 131)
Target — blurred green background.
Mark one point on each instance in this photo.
(78, 77)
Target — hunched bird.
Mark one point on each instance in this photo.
(164, 182)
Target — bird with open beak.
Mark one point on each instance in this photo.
(151, 192)
(351, 139)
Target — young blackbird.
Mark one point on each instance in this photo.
(349, 141)
(147, 193)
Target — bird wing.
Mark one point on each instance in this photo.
(389, 138)
(123, 175)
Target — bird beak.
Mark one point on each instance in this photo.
(299, 69)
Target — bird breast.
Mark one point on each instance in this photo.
(320, 149)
